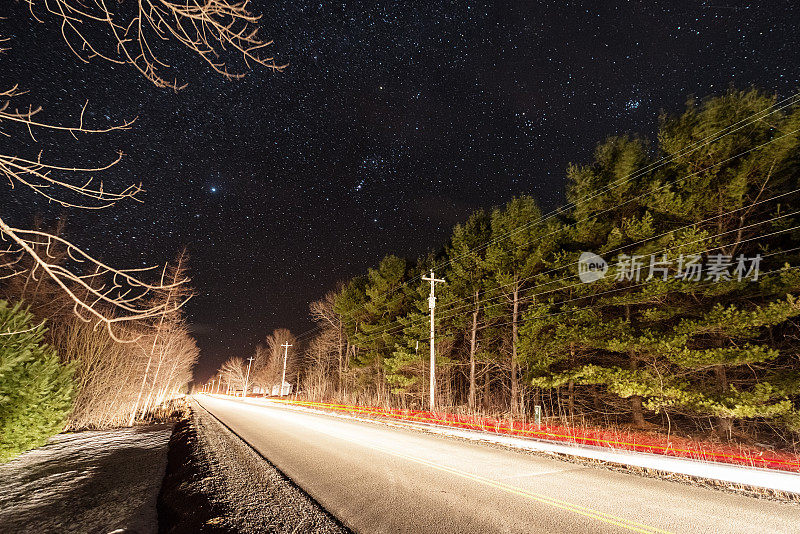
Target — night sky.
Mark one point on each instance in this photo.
(392, 122)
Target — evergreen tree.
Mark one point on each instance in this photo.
(466, 284)
(651, 339)
(518, 251)
(717, 345)
(349, 304)
(35, 389)
(386, 300)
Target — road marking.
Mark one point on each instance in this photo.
(564, 505)
(540, 473)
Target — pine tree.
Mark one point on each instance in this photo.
(651, 340)
(466, 283)
(518, 251)
(35, 389)
(385, 301)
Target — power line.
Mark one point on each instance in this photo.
(711, 218)
(786, 102)
(469, 302)
(716, 136)
(400, 327)
(582, 308)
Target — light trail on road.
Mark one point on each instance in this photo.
(454, 420)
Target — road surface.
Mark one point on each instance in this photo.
(377, 478)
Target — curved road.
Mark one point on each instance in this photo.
(377, 478)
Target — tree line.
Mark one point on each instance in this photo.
(688, 320)
(61, 371)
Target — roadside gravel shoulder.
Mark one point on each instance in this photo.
(217, 483)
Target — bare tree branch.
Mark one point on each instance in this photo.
(126, 294)
(41, 177)
(208, 28)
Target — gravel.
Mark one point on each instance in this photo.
(217, 483)
(92, 481)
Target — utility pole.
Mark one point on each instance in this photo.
(432, 306)
(285, 354)
(247, 376)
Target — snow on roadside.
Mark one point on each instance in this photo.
(91, 481)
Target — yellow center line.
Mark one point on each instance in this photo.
(575, 508)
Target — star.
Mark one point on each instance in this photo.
(632, 104)
(339, 160)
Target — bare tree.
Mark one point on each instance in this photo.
(210, 29)
(322, 376)
(167, 321)
(55, 274)
(176, 353)
(235, 371)
(125, 292)
(323, 312)
(207, 28)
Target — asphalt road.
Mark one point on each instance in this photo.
(377, 478)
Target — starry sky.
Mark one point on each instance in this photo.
(392, 122)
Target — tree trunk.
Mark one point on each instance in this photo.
(724, 424)
(146, 406)
(636, 411)
(486, 382)
(571, 400)
(596, 400)
(472, 345)
(571, 387)
(141, 389)
(341, 357)
(637, 414)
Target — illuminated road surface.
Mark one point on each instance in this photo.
(376, 478)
